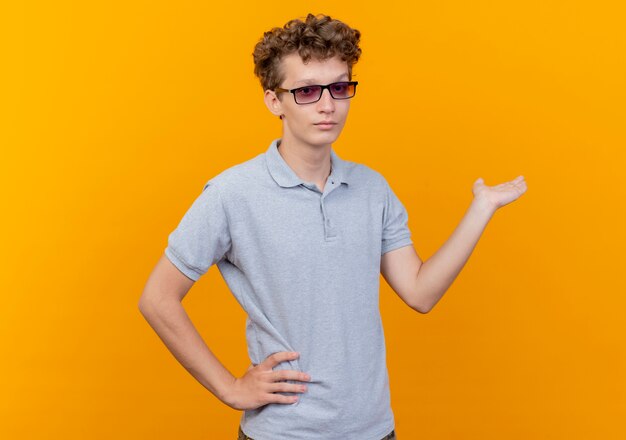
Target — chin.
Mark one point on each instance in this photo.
(318, 138)
(325, 138)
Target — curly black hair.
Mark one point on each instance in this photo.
(320, 37)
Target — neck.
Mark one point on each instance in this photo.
(310, 163)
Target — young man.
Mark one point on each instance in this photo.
(301, 237)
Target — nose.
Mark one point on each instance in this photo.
(326, 102)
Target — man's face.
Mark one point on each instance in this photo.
(302, 123)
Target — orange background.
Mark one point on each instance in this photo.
(115, 114)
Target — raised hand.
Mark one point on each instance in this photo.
(499, 195)
(257, 387)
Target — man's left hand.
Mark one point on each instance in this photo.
(499, 195)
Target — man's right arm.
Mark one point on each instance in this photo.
(161, 305)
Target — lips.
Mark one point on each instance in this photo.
(326, 123)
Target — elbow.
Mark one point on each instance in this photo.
(149, 300)
(148, 309)
(142, 305)
(145, 304)
(153, 304)
(423, 309)
(420, 301)
(423, 300)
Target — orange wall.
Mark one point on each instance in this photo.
(115, 114)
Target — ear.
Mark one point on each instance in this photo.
(272, 102)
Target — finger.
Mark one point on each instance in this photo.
(281, 375)
(279, 398)
(284, 387)
(515, 183)
(508, 184)
(281, 356)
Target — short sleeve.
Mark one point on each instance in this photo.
(396, 231)
(202, 237)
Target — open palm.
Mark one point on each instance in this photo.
(499, 195)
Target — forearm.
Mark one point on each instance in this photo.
(438, 272)
(172, 324)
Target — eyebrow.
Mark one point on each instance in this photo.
(310, 81)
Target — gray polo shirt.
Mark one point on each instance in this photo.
(305, 266)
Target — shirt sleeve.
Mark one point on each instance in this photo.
(202, 237)
(396, 231)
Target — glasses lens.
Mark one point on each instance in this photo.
(342, 90)
(307, 94)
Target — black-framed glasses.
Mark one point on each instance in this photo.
(313, 93)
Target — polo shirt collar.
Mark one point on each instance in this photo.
(283, 174)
